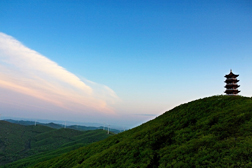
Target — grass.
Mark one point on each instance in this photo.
(30, 144)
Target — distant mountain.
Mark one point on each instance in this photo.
(58, 126)
(210, 132)
(21, 122)
(85, 128)
(21, 141)
(52, 125)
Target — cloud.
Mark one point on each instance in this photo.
(25, 71)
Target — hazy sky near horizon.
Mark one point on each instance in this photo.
(119, 62)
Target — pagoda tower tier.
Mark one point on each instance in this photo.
(231, 84)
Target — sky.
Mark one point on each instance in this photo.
(119, 62)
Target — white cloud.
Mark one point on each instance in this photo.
(25, 71)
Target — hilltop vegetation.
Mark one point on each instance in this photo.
(40, 142)
(210, 132)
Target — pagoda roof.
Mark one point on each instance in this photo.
(232, 86)
(231, 74)
(231, 80)
(232, 91)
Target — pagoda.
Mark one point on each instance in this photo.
(231, 84)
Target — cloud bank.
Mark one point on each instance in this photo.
(26, 72)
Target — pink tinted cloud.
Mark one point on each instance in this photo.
(25, 71)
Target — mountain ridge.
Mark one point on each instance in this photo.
(59, 126)
(214, 131)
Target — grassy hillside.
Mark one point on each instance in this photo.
(15, 140)
(210, 132)
(84, 139)
(18, 141)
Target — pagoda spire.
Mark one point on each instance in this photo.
(231, 84)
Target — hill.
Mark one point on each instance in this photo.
(21, 122)
(78, 141)
(19, 141)
(85, 128)
(59, 126)
(210, 132)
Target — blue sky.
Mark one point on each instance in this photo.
(137, 58)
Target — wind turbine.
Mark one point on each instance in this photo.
(108, 129)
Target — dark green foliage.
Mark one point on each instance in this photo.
(210, 132)
(40, 142)
(15, 140)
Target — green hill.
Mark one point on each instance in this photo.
(19, 141)
(15, 140)
(209, 132)
(84, 139)
(85, 128)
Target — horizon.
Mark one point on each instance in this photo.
(68, 123)
(119, 62)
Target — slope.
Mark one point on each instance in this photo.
(15, 140)
(78, 141)
(210, 132)
(18, 141)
